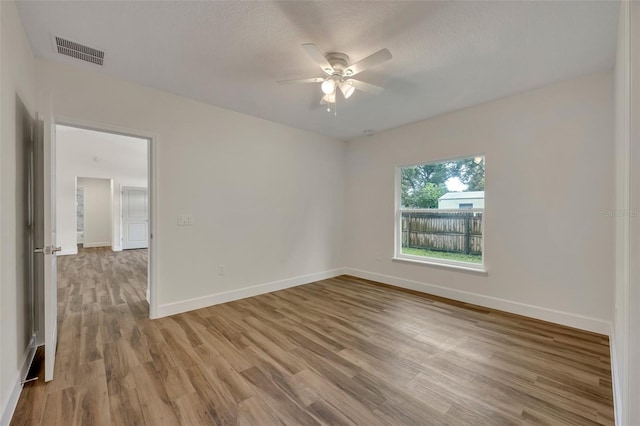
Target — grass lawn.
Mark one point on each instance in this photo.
(460, 257)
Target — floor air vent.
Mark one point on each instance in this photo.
(78, 51)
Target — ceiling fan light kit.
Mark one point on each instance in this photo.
(347, 89)
(328, 86)
(329, 98)
(339, 70)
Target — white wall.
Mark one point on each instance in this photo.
(97, 211)
(548, 251)
(86, 153)
(17, 75)
(266, 199)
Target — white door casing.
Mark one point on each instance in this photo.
(135, 217)
(152, 174)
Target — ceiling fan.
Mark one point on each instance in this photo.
(339, 72)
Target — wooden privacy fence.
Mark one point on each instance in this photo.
(457, 232)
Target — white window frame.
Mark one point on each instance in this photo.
(397, 225)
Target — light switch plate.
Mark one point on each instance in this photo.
(185, 220)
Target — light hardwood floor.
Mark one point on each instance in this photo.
(339, 351)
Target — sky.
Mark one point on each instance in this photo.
(454, 184)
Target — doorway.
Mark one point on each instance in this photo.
(94, 212)
(103, 183)
(80, 216)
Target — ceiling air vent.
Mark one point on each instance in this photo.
(78, 51)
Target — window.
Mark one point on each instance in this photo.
(430, 226)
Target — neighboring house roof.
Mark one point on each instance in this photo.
(462, 195)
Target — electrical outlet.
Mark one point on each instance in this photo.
(185, 220)
(220, 269)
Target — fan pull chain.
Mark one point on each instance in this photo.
(335, 106)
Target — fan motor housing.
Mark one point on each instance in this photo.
(339, 61)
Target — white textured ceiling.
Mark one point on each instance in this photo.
(446, 55)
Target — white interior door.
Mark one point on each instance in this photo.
(135, 218)
(45, 161)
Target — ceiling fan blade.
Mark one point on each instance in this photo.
(302, 80)
(318, 57)
(370, 61)
(366, 87)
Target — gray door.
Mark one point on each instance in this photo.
(26, 262)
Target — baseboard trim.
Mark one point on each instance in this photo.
(94, 245)
(255, 290)
(116, 248)
(12, 402)
(615, 378)
(551, 315)
(68, 252)
(14, 395)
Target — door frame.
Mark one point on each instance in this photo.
(152, 179)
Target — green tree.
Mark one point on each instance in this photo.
(470, 171)
(427, 197)
(422, 185)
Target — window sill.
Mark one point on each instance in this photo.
(480, 269)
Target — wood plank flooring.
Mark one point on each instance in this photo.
(341, 352)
